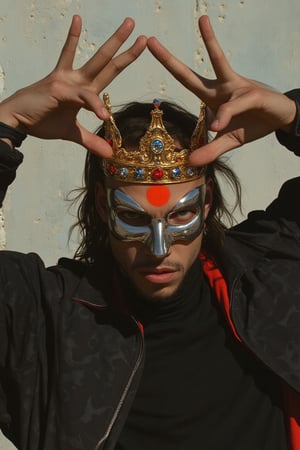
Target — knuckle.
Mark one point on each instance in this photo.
(104, 53)
(56, 87)
(116, 66)
(226, 108)
(256, 95)
(55, 84)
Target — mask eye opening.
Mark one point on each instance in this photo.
(182, 216)
(133, 218)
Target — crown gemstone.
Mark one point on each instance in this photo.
(123, 172)
(109, 140)
(157, 146)
(176, 173)
(157, 173)
(139, 174)
(111, 169)
(157, 160)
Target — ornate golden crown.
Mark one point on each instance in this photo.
(157, 160)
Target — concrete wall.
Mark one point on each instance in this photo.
(260, 38)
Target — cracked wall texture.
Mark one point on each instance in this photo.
(260, 39)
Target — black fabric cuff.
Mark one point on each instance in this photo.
(292, 140)
(285, 205)
(10, 159)
(14, 134)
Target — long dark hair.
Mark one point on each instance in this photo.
(132, 121)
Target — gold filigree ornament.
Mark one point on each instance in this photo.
(157, 160)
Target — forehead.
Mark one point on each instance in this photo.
(157, 198)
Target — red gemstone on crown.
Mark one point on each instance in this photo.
(157, 173)
(112, 169)
(109, 140)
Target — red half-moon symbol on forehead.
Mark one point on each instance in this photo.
(158, 195)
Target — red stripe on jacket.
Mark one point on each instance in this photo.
(291, 397)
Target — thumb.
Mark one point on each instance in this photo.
(92, 142)
(211, 151)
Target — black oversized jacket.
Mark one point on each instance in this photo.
(71, 356)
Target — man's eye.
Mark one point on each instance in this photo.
(133, 218)
(181, 217)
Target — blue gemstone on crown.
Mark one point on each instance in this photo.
(123, 172)
(157, 159)
(157, 146)
(139, 174)
(176, 172)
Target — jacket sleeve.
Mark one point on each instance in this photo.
(10, 159)
(292, 140)
(29, 308)
(286, 205)
(264, 251)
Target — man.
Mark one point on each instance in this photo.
(140, 344)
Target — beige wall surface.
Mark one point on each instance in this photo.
(260, 38)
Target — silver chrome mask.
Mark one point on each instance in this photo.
(158, 234)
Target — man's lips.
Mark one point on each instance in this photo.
(159, 275)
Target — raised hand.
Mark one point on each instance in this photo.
(242, 110)
(48, 108)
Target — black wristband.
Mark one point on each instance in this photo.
(14, 134)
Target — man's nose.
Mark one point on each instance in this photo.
(158, 242)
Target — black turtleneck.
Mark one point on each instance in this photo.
(200, 389)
